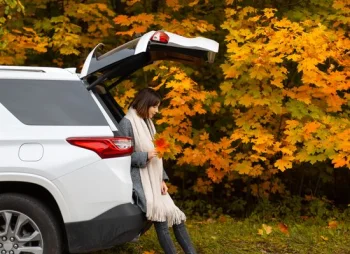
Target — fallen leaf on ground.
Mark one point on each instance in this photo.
(149, 252)
(283, 228)
(324, 238)
(333, 224)
(222, 219)
(265, 230)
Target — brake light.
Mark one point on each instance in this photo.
(105, 147)
(160, 37)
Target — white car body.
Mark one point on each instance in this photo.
(83, 184)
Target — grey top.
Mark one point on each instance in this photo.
(138, 160)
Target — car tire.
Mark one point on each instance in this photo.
(26, 218)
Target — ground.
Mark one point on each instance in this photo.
(229, 236)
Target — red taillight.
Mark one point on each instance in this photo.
(160, 37)
(105, 147)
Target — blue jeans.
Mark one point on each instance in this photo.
(181, 236)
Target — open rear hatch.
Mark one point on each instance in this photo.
(152, 46)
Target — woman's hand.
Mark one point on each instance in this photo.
(164, 188)
(152, 154)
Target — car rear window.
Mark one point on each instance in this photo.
(50, 102)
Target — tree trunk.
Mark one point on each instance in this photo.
(155, 5)
(118, 6)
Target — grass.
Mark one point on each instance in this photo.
(229, 236)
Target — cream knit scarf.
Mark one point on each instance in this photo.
(159, 207)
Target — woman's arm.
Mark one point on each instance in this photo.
(138, 159)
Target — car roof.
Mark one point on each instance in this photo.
(42, 73)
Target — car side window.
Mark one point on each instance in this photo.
(50, 102)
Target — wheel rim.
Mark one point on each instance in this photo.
(19, 234)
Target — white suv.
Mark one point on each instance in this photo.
(65, 181)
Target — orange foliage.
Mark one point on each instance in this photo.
(24, 32)
(284, 99)
(261, 49)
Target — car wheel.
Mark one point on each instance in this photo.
(27, 226)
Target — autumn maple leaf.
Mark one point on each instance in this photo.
(283, 228)
(161, 144)
(164, 146)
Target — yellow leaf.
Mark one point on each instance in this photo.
(288, 150)
(265, 230)
(268, 229)
(122, 20)
(244, 167)
(333, 224)
(174, 4)
(269, 12)
(310, 127)
(284, 163)
(215, 175)
(292, 123)
(198, 108)
(155, 78)
(324, 238)
(195, 2)
(215, 107)
(340, 160)
(180, 76)
(144, 18)
(229, 2)
(149, 252)
(204, 136)
(29, 29)
(202, 186)
(131, 2)
(172, 189)
(139, 29)
(277, 82)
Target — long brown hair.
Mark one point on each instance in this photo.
(145, 99)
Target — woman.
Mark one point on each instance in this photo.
(148, 175)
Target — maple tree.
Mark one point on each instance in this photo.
(287, 85)
(285, 91)
(50, 33)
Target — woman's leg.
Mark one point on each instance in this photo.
(164, 237)
(183, 238)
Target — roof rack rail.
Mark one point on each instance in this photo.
(27, 70)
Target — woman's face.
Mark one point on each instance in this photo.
(153, 110)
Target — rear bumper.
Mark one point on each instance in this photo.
(116, 226)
